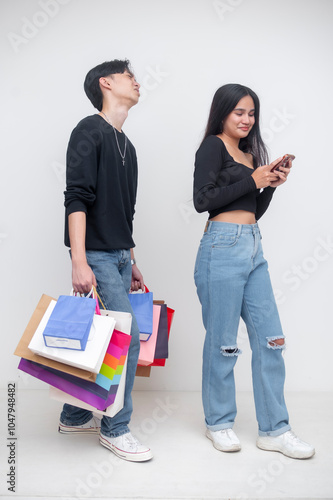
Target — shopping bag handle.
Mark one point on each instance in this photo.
(146, 290)
(98, 297)
(78, 294)
(93, 293)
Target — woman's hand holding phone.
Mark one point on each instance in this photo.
(274, 174)
(264, 176)
(282, 168)
(285, 162)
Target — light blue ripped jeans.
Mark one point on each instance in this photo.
(232, 281)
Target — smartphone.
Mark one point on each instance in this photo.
(283, 162)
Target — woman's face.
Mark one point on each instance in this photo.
(241, 119)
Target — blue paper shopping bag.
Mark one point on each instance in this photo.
(142, 305)
(69, 324)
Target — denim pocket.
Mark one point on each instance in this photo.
(225, 240)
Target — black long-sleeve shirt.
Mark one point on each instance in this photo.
(98, 184)
(221, 184)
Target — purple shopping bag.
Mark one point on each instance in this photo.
(99, 394)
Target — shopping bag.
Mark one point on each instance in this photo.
(91, 358)
(123, 320)
(22, 350)
(93, 394)
(109, 411)
(123, 323)
(113, 362)
(89, 392)
(93, 294)
(70, 322)
(147, 348)
(143, 371)
(142, 305)
(161, 350)
(170, 315)
(55, 378)
(111, 369)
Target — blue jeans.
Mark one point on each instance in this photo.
(232, 281)
(113, 271)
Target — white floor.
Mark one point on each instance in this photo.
(185, 464)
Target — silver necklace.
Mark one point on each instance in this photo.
(115, 134)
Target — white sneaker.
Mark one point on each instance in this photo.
(224, 440)
(288, 444)
(127, 447)
(93, 426)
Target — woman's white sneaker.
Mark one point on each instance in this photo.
(288, 444)
(224, 440)
(127, 447)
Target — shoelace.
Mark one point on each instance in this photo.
(132, 441)
(293, 436)
(229, 434)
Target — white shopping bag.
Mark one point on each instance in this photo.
(91, 358)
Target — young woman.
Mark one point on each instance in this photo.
(234, 183)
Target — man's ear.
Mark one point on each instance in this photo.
(105, 83)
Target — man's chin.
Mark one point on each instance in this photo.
(135, 100)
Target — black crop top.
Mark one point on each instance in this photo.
(221, 184)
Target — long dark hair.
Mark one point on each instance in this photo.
(224, 101)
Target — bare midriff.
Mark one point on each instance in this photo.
(236, 217)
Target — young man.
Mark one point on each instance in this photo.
(100, 203)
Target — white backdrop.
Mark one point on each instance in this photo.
(181, 51)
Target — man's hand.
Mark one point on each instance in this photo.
(137, 279)
(83, 277)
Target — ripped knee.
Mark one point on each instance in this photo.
(276, 343)
(230, 350)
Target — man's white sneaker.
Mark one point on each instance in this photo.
(288, 444)
(127, 447)
(224, 440)
(93, 426)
